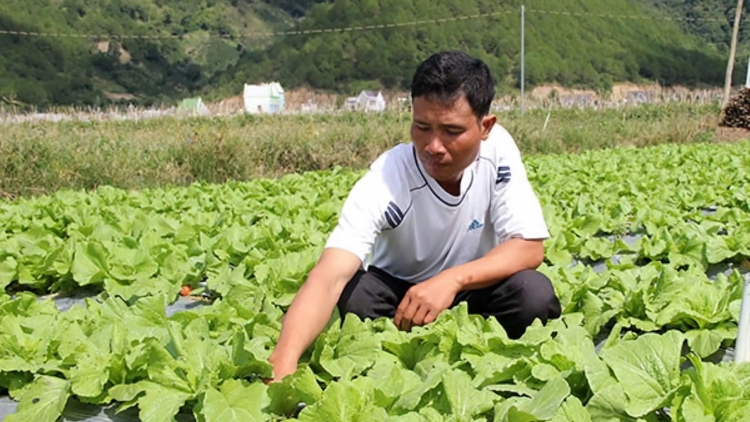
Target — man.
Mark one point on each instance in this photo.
(450, 217)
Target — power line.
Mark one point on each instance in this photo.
(96, 36)
(266, 34)
(358, 28)
(611, 16)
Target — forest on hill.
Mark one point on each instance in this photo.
(211, 47)
(699, 19)
(199, 39)
(585, 51)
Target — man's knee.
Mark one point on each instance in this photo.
(537, 296)
(366, 296)
(354, 297)
(520, 299)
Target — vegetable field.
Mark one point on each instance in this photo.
(648, 254)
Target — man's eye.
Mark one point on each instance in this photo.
(455, 132)
(423, 128)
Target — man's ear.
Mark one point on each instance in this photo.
(488, 122)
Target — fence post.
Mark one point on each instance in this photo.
(742, 350)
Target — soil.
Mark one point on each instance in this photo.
(729, 134)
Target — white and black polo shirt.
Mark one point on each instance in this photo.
(414, 230)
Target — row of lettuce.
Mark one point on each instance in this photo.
(211, 364)
(684, 205)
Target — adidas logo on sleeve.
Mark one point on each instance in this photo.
(503, 174)
(393, 215)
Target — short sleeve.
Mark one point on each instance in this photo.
(361, 218)
(516, 211)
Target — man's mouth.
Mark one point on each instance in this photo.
(431, 162)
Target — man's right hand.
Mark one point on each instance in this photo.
(311, 309)
(281, 368)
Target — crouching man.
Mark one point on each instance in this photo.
(449, 217)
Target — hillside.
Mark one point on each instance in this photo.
(718, 34)
(207, 50)
(46, 71)
(573, 51)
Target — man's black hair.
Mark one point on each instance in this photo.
(445, 76)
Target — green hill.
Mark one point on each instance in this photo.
(206, 47)
(699, 15)
(62, 70)
(588, 51)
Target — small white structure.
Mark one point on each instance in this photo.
(264, 98)
(350, 104)
(371, 101)
(193, 106)
(366, 101)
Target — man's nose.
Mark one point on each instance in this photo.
(435, 145)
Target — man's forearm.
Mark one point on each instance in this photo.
(312, 308)
(306, 318)
(500, 263)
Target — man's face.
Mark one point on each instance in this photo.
(447, 137)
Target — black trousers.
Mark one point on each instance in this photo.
(515, 302)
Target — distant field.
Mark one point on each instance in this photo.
(43, 157)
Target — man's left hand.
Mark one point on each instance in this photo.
(425, 301)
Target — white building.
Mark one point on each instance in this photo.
(371, 101)
(366, 101)
(264, 98)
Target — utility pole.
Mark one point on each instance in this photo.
(732, 52)
(523, 52)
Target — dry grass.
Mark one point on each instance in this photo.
(42, 157)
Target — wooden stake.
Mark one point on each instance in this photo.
(732, 52)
